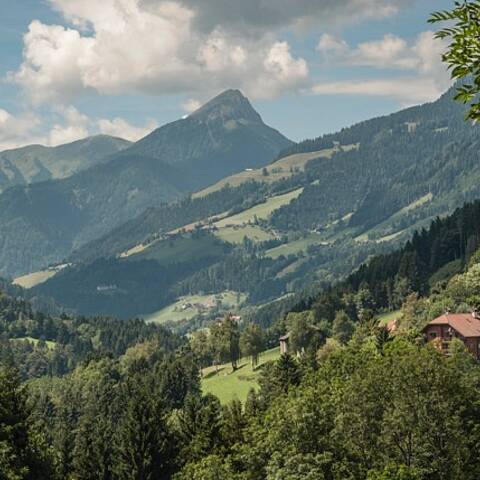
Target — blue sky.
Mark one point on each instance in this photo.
(71, 68)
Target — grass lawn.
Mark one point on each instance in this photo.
(283, 168)
(261, 211)
(182, 249)
(175, 312)
(228, 385)
(237, 234)
(36, 278)
(50, 344)
(388, 317)
(295, 246)
(233, 229)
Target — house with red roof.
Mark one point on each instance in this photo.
(464, 326)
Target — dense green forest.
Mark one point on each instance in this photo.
(88, 398)
(43, 345)
(343, 409)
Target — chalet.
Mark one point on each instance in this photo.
(464, 326)
(284, 343)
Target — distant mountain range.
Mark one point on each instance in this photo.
(304, 221)
(36, 163)
(43, 222)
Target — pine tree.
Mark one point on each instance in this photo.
(22, 455)
(142, 440)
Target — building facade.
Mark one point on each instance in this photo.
(464, 326)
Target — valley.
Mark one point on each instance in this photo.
(194, 290)
(302, 222)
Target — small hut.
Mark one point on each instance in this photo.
(284, 344)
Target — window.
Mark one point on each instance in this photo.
(433, 335)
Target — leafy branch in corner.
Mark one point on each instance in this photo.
(463, 53)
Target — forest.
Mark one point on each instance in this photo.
(102, 398)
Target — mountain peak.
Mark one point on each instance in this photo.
(229, 105)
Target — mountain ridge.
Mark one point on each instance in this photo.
(36, 163)
(404, 170)
(176, 159)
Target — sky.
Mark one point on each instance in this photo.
(73, 68)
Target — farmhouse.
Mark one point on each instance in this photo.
(464, 326)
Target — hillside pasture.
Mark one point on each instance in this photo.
(261, 211)
(36, 278)
(50, 345)
(188, 307)
(236, 234)
(181, 249)
(295, 247)
(228, 385)
(235, 228)
(283, 168)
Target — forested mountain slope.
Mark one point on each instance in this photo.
(409, 167)
(36, 163)
(385, 178)
(43, 223)
(425, 264)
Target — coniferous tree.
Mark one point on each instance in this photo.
(21, 450)
(142, 440)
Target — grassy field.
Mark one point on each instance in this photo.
(283, 168)
(388, 317)
(50, 344)
(181, 249)
(236, 234)
(36, 278)
(261, 211)
(295, 246)
(228, 385)
(233, 229)
(189, 307)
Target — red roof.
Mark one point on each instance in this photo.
(466, 324)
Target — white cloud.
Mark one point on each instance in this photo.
(427, 76)
(27, 128)
(69, 125)
(118, 127)
(129, 46)
(74, 126)
(282, 72)
(254, 17)
(389, 52)
(191, 105)
(16, 130)
(407, 90)
(53, 61)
